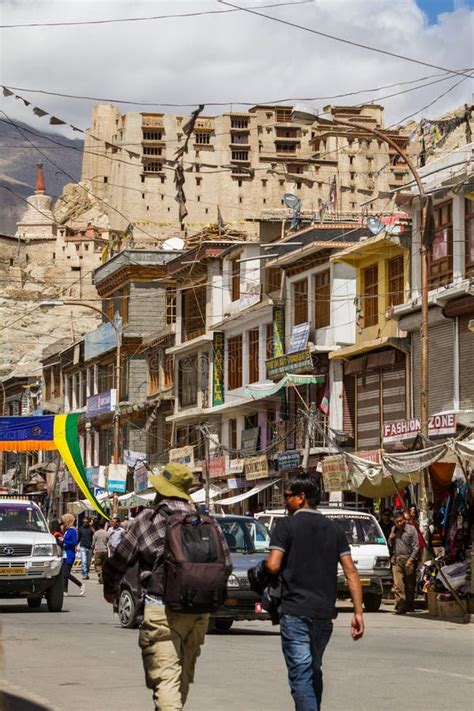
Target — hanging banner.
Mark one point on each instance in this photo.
(101, 403)
(218, 343)
(256, 467)
(299, 338)
(288, 460)
(234, 466)
(183, 455)
(117, 478)
(335, 475)
(216, 467)
(289, 363)
(278, 341)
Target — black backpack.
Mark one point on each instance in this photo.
(193, 565)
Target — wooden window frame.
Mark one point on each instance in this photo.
(202, 138)
(188, 381)
(168, 371)
(234, 362)
(170, 305)
(194, 301)
(268, 341)
(322, 299)
(235, 280)
(370, 289)
(441, 265)
(396, 280)
(253, 341)
(300, 302)
(232, 428)
(469, 230)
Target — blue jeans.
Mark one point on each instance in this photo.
(303, 641)
(86, 554)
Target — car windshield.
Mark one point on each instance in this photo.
(245, 535)
(18, 517)
(359, 530)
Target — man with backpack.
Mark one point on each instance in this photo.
(184, 563)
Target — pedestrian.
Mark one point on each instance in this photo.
(386, 523)
(115, 534)
(69, 554)
(305, 550)
(405, 549)
(100, 541)
(84, 538)
(170, 640)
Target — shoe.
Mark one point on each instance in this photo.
(66, 594)
(400, 612)
(82, 591)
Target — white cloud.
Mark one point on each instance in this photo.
(231, 57)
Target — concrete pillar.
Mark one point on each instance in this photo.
(336, 395)
(415, 255)
(459, 244)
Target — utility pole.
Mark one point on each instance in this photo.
(206, 471)
(310, 418)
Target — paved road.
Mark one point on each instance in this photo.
(81, 660)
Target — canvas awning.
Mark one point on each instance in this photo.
(247, 494)
(259, 390)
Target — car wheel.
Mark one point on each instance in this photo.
(34, 602)
(223, 624)
(126, 609)
(55, 594)
(372, 602)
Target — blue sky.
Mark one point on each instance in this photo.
(432, 8)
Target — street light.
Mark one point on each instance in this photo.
(118, 361)
(424, 382)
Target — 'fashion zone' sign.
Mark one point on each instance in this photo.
(407, 429)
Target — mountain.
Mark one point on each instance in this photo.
(21, 149)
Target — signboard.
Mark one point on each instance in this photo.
(234, 466)
(131, 458)
(117, 478)
(278, 341)
(249, 440)
(101, 403)
(443, 424)
(299, 362)
(102, 340)
(335, 473)
(299, 338)
(250, 289)
(370, 455)
(256, 467)
(236, 483)
(288, 460)
(183, 455)
(218, 344)
(140, 478)
(216, 467)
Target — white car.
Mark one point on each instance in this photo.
(30, 558)
(368, 547)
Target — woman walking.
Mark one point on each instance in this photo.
(69, 556)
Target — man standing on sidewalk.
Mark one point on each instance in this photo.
(100, 542)
(115, 533)
(84, 538)
(305, 549)
(405, 549)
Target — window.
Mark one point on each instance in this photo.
(371, 295)
(253, 341)
(283, 115)
(282, 147)
(239, 122)
(117, 303)
(322, 299)
(269, 341)
(170, 305)
(286, 132)
(198, 181)
(203, 139)
(235, 280)
(233, 434)
(240, 139)
(240, 155)
(188, 381)
(273, 279)
(152, 151)
(395, 281)
(300, 297)
(105, 377)
(442, 251)
(194, 312)
(152, 135)
(234, 362)
(152, 167)
(469, 205)
(168, 372)
(153, 373)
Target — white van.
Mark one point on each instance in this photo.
(368, 547)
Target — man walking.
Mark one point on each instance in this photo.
(84, 538)
(405, 550)
(305, 549)
(115, 533)
(100, 542)
(386, 523)
(170, 641)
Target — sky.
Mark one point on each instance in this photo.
(234, 56)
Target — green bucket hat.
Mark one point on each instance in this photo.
(173, 482)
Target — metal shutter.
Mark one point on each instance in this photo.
(368, 411)
(466, 363)
(394, 394)
(348, 409)
(441, 368)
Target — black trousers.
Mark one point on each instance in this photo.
(68, 576)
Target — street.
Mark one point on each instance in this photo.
(82, 660)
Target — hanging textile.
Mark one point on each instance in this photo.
(407, 462)
(441, 474)
(46, 433)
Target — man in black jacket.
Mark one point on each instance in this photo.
(84, 539)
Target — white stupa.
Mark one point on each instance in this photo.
(38, 220)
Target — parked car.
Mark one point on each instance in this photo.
(248, 541)
(368, 547)
(30, 559)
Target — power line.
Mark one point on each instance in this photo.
(140, 19)
(341, 39)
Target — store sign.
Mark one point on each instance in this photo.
(117, 478)
(370, 455)
(335, 473)
(444, 424)
(218, 343)
(140, 478)
(299, 338)
(102, 340)
(234, 466)
(131, 458)
(236, 483)
(101, 403)
(256, 467)
(249, 440)
(288, 460)
(299, 362)
(278, 341)
(183, 455)
(216, 467)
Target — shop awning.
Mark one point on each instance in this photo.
(260, 390)
(247, 494)
(199, 496)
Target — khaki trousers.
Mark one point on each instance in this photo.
(170, 643)
(404, 581)
(99, 559)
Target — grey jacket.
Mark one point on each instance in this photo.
(406, 542)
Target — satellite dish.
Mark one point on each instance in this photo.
(375, 225)
(173, 244)
(291, 200)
